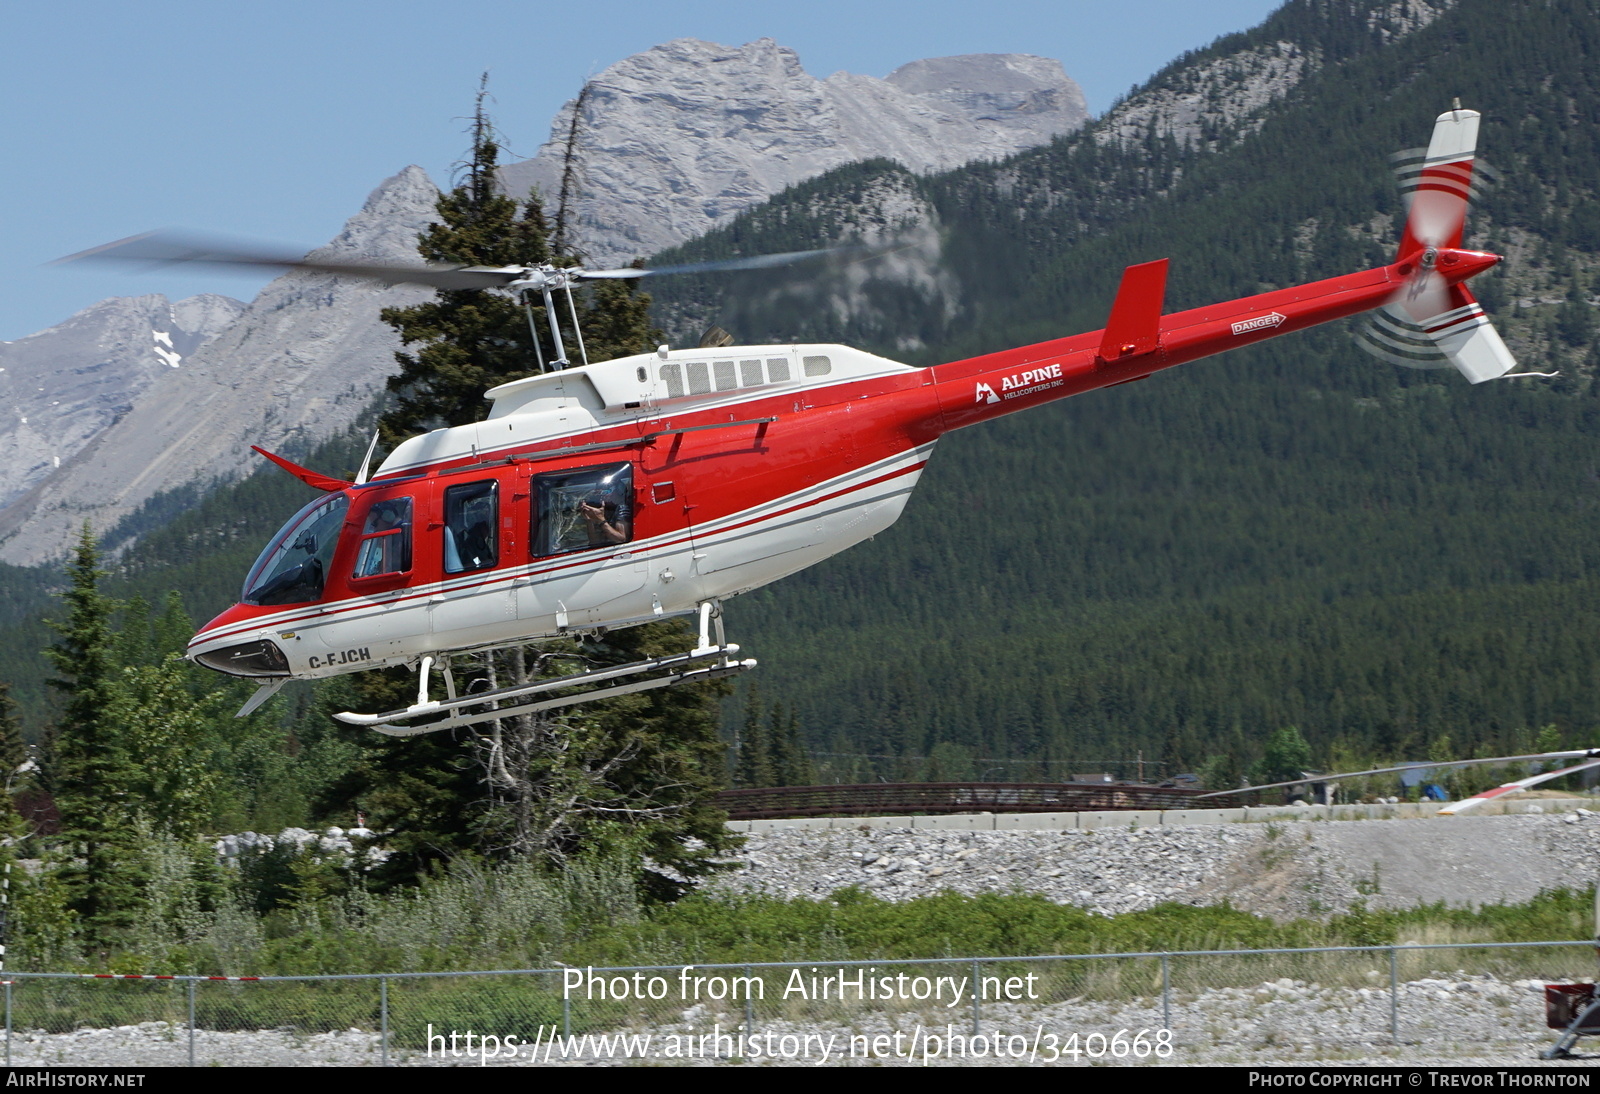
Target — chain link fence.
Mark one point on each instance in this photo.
(1212, 1006)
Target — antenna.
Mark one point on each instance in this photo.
(366, 461)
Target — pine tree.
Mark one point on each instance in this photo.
(791, 763)
(471, 340)
(91, 766)
(753, 765)
(13, 749)
(636, 773)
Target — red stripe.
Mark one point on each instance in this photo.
(505, 577)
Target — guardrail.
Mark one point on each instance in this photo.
(877, 799)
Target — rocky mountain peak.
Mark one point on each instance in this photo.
(388, 223)
(684, 136)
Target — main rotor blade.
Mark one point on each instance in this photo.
(754, 262)
(164, 248)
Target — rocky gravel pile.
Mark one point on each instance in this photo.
(1287, 870)
(1106, 870)
(1219, 1014)
(330, 842)
(161, 1044)
(1444, 1020)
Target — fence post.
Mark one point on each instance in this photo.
(566, 1015)
(750, 1000)
(191, 1023)
(8, 1023)
(1166, 995)
(977, 983)
(1394, 997)
(383, 1021)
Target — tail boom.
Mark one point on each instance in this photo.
(981, 388)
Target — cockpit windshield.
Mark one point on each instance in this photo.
(295, 564)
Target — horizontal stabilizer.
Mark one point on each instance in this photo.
(1135, 324)
(304, 474)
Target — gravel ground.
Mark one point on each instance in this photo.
(1477, 1021)
(1298, 868)
(1444, 1021)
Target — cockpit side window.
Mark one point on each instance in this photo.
(582, 508)
(385, 539)
(294, 567)
(471, 522)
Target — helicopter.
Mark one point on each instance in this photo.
(603, 495)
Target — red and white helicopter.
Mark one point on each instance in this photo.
(614, 493)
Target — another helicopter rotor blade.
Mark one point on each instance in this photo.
(1426, 764)
(1466, 804)
(754, 262)
(164, 248)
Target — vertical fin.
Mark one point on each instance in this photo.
(1443, 185)
(1135, 324)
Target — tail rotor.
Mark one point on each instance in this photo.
(1433, 321)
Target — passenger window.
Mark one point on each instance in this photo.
(778, 369)
(385, 539)
(470, 520)
(582, 508)
(673, 375)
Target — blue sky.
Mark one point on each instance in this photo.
(275, 120)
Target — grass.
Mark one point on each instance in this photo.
(850, 925)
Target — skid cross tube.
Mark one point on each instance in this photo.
(576, 679)
(727, 668)
(676, 666)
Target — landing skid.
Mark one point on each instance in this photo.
(679, 668)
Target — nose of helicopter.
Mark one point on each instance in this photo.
(226, 647)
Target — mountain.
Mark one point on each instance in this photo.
(679, 138)
(115, 350)
(1394, 561)
(293, 369)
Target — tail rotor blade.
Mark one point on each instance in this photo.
(1425, 295)
(1428, 322)
(1442, 188)
(1389, 335)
